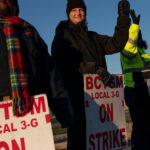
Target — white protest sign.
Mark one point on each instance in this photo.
(31, 132)
(148, 85)
(105, 115)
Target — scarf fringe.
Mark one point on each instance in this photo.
(20, 109)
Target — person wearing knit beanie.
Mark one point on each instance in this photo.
(76, 11)
(71, 4)
(78, 51)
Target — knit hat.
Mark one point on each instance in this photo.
(75, 4)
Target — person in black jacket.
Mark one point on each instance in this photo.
(77, 51)
(26, 66)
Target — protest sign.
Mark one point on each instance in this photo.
(105, 115)
(30, 132)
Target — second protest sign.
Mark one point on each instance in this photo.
(105, 115)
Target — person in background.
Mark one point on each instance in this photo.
(77, 51)
(136, 69)
(26, 68)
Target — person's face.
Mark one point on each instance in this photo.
(4, 8)
(77, 15)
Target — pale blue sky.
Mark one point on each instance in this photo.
(101, 17)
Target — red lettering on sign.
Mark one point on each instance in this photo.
(37, 104)
(48, 118)
(123, 137)
(91, 141)
(115, 138)
(0, 130)
(4, 145)
(98, 136)
(93, 82)
(89, 84)
(100, 95)
(105, 140)
(123, 103)
(6, 109)
(87, 103)
(6, 128)
(34, 122)
(12, 127)
(106, 112)
(15, 145)
(92, 96)
(102, 113)
(97, 86)
(110, 112)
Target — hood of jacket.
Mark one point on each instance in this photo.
(15, 7)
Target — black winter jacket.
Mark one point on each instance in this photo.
(77, 51)
(74, 47)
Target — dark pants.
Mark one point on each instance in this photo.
(138, 101)
(76, 139)
(77, 132)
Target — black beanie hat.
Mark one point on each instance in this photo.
(75, 4)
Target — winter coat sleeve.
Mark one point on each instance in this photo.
(53, 86)
(117, 42)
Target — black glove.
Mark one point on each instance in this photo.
(104, 76)
(123, 8)
(136, 19)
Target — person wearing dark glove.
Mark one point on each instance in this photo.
(123, 8)
(136, 19)
(134, 60)
(77, 51)
(105, 76)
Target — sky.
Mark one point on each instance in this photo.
(45, 15)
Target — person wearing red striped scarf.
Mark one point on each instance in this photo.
(17, 69)
(26, 68)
